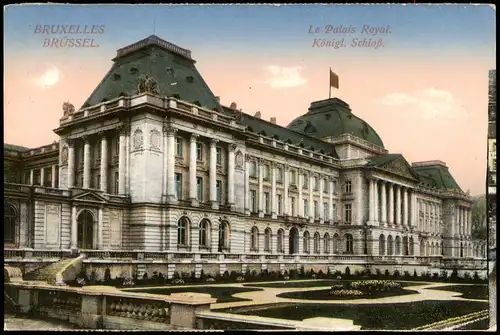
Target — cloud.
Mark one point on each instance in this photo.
(49, 78)
(429, 103)
(283, 77)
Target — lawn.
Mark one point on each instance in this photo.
(468, 291)
(317, 283)
(399, 316)
(325, 295)
(221, 293)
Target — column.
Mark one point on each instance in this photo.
(457, 215)
(384, 204)
(53, 173)
(331, 218)
(300, 204)
(274, 209)
(469, 221)
(320, 205)
(398, 205)
(261, 188)
(99, 229)
(171, 196)
(413, 216)
(286, 181)
(86, 163)
(121, 163)
(71, 164)
(406, 212)
(104, 164)
(375, 202)
(390, 217)
(213, 173)
(42, 176)
(127, 163)
(32, 176)
(193, 194)
(74, 228)
(371, 201)
(248, 197)
(230, 175)
(312, 215)
(165, 159)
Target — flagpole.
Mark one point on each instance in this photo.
(330, 84)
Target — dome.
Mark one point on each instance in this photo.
(333, 118)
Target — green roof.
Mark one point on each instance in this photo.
(14, 147)
(436, 176)
(265, 128)
(333, 118)
(171, 67)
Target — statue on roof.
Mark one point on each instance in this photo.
(147, 84)
(68, 108)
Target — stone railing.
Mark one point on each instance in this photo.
(13, 255)
(108, 308)
(224, 321)
(357, 140)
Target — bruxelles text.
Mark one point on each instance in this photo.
(57, 29)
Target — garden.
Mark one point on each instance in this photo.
(467, 291)
(189, 278)
(364, 289)
(394, 316)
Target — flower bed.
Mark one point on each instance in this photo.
(375, 285)
(347, 293)
(467, 291)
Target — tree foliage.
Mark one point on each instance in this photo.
(479, 217)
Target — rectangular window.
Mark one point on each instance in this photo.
(199, 152)
(348, 186)
(218, 185)
(56, 177)
(325, 211)
(326, 186)
(47, 177)
(116, 142)
(293, 177)
(278, 200)
(334, 186)
(306, 208)
(347, 213)
(334, 212)
(316, 209)
(117, 182)
(178, 147)
(266, 203)
(218, 156)
(267, 174)
(316, 183)
(98, 154)
(292, 206)
(279, 175)
(199, 188)
(178, 186)
(98, 182)
(27, 178)
(253, 198)
(253, 169)
(304, 181)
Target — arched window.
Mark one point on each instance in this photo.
(433, 249)
(336, 243)
(406, 251)
(349, 244)
(267, 240)
(224, 236)
(398, 245)
(204, 239)
(381, 245)
(316, 243)
(9, 224)
(254, 239)
(390, 246)
(411, 247)
(183, 231)
(326, 243)
(306, 242)
(280, 239)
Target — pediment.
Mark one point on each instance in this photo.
(399, 166)
(89, 196)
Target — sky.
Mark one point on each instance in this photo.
(421, 82)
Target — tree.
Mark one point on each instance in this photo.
(479, 216)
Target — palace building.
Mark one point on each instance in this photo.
(153, 173)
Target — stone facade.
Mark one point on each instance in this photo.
(157, 174)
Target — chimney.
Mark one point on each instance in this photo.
(273, 120)
(217, 98)
(257, 115)
(233, 105)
